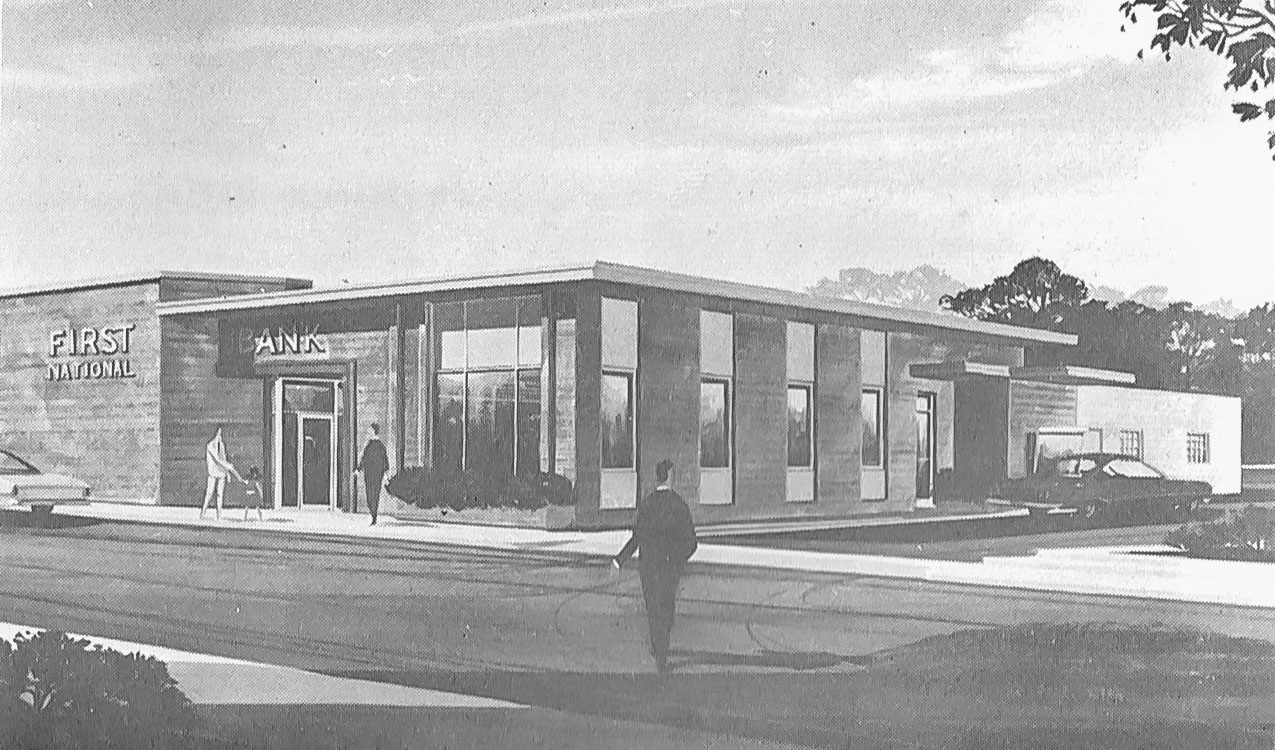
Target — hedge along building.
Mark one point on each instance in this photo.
(772, 403)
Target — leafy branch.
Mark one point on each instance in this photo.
(1242, 31)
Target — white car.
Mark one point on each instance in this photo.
(23, 484)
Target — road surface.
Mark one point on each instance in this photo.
(766, 655)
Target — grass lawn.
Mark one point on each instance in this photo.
(1033, 686)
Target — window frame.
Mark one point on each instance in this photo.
(1199, 451)
(878, 427)
(1136, 437)
(728, 427)
(809, 390)
(630, 379)
(517, 369)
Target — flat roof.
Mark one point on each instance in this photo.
(619, 274)
(956, 369)
(1074, 375)
(143, 277)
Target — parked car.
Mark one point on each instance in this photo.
(23, 484)
(1103, 486)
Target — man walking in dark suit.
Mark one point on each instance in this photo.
(373, 466)
(664, 535)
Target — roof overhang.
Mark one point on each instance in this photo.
(149, 277)
(619, 274)
(1073, 375)
(958, 369)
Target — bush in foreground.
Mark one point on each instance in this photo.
(61, 692)
(460, 490)
(1244, 534)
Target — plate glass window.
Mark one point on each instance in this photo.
(800, 455)
(487, 394)
(617, 420)
(714, 424)
(870, 408)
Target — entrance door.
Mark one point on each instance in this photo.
(317, 461)
(305, 445)
(925, 458)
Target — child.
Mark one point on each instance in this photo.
(252, 493)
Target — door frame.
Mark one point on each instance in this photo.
(931, 409)
(276, 447)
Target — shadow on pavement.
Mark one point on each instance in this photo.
(22, 519)
(799, 661)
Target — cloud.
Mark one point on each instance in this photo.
(1069, 33)
(1058, 43)
(359, 37)
(80, 66)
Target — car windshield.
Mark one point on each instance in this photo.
(1130, 468)
(11, 464)
(1076, 466)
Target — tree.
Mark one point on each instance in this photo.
(1036, 294)
(1242, 31)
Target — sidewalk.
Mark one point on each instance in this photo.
(215, 680)
(1100, 571)
(252, 705)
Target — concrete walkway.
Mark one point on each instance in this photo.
(1151, 573)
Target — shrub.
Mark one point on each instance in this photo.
(1244, 534)
(63, 692)
(459, 490)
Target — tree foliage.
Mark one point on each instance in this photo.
(1036, 294)
(1177, 346)
(1242, 31)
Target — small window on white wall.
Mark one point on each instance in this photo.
(1197, 448)
(1131, 443)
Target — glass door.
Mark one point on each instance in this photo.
(317, 476)
(306, 443)
(925, 446)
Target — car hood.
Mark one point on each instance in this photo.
(9, 481)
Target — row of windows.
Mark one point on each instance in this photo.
(1197, 446)
(488, 389)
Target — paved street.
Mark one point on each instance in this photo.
(768, 655)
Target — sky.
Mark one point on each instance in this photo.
(353, 141)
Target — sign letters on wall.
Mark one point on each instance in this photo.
(91, 353)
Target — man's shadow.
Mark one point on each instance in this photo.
(799, 661)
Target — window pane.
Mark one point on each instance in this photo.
(449, 319)
(529, 346)
(714, 425)
(489, 436)
(492, 334)
(617, 421)
(799, 453)
(871, 409)
(528, 422)
(308, 397)
(450, 430)
(1131, 443)
(1197, 448)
